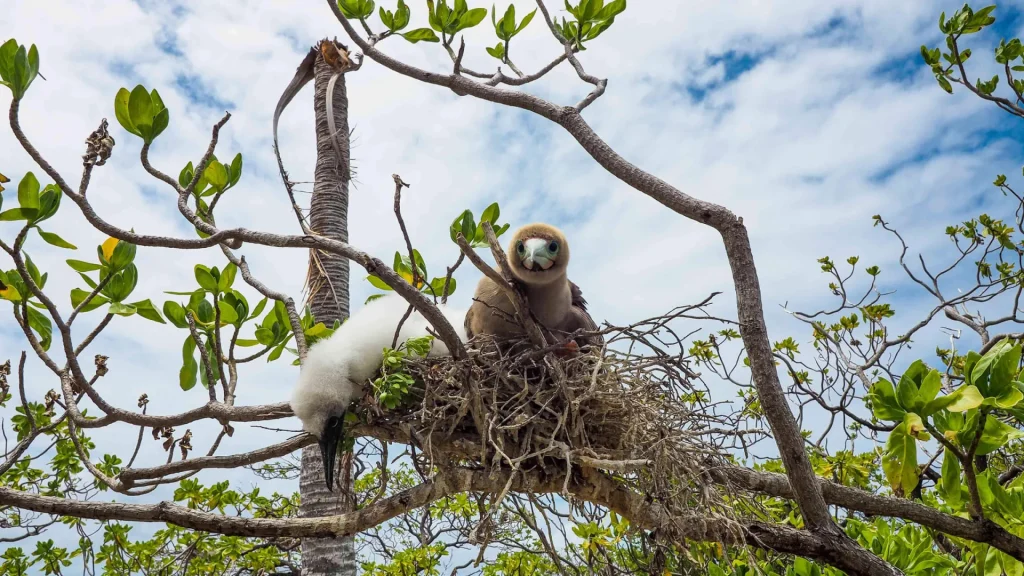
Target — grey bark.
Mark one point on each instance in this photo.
(329, 301)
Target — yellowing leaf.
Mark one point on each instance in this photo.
(914, 424)
(3, 180)
(9, 293)
(108, 248)
(969, 398)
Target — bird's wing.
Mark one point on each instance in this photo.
(579, 318)
(577, 297)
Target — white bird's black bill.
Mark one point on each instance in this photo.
(329, 440)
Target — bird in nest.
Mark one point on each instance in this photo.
(337, 369)
(538, 256)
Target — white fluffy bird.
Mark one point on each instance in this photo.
(336, 369)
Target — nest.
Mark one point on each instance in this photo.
(639, 418)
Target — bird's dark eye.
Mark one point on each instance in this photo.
(520, 248)
(553, 247)
(333, 422)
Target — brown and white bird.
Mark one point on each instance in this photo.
(538, 256)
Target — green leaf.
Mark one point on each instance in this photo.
(275, 353)
(883, 402)
(121, 111)
(420, 34)
(908, 395)
(950, 484)
(121, 309)
(190, 368)
(915, 426)
(28, 194)
(498, 51)
(525, 22)
(146, 309)
(7, 53)
(217, 174)
(246, 343)
(964, 398)
(491, 214)
(899, 460)
(1009, 398)
(204, 312)
(235, 170)
(930, 386)
(140, 109)
(41, 325)
(983, 371)
(15, 214)
(994, 436)
(378, 283)
(259, 308)
(944, 84)
(228, 314)
(205, 278)
(437, 287)
(78, 296)
(176, 314)
(402, 16)
(1004, 370)
(160, 122)
(469, 228)
(55, 240)
(227, 277)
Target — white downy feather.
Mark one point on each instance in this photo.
(336, 369)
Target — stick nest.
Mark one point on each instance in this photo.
(639, 418)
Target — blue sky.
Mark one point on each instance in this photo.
(804, 119)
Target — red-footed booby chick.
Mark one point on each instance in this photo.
(538, 256)
(336, 369)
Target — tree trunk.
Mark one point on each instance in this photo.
(328, 285)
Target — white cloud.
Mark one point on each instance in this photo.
(806, 145)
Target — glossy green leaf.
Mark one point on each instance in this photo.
(78, 296)
(121, 111)
(228, 314)
(950, 484)
(883, 400)
(41, 325)
(176, 314)
(28, 193)
(121, 309)
(140, 109)
(55, 240)
(962, 399)
(899, 460)
(420, 35)
(205, 278)
(378, 283)
(190, 368)
(146, 309)
(227, 277)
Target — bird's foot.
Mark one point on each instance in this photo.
(567, 350)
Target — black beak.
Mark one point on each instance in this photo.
(329, 440)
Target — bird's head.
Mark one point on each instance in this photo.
(538, 254)
(320, 404)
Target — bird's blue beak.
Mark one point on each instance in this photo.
(537, 255)
(332, 435)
